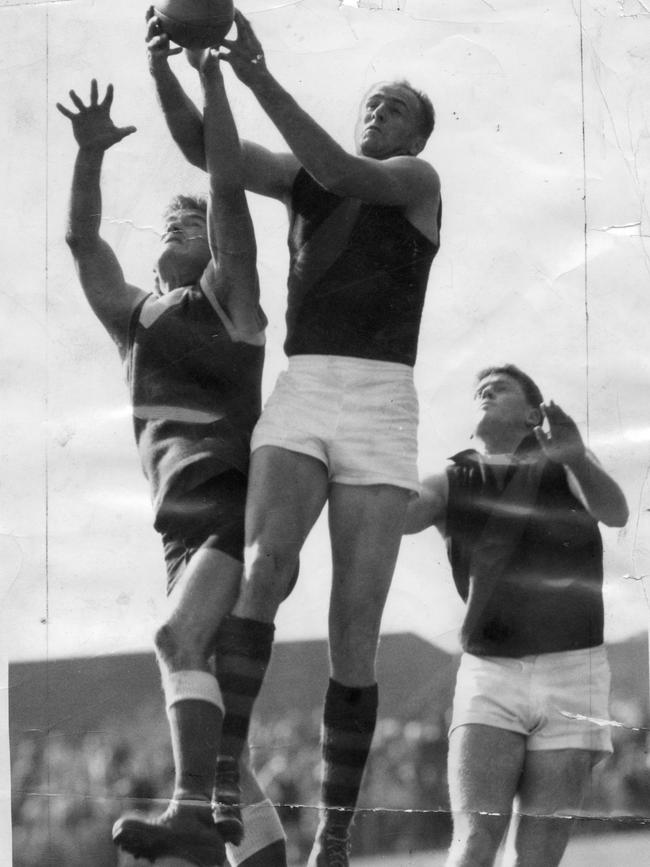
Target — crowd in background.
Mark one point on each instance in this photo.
(67, 792)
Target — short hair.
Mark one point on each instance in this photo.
(427, 111)
(185, 202)
(529, 387)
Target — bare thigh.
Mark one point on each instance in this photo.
(484, 766)
(366, 523)
(551, 791)
(286, 493)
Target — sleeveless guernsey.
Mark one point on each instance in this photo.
(357, 277)
(195, 392)
(527, 559)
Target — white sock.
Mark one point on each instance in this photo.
(191, 685)
(261, 828)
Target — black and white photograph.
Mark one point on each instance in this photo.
(325, 453)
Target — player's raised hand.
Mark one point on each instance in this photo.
(158, 47)
(245, 53)
(92, 126)
(209, 64)
(563, 442)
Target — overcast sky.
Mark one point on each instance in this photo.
(542, 146)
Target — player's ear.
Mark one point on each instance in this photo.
(535, 416)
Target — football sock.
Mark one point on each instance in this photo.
(264, 840)
(349, 723)
(195, 711)
(243, 650)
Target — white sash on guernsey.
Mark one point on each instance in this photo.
(155, 305)
(176, 413)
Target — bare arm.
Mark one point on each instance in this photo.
(232, 279)
(100, 274)
(430, 508)
(183, 118)
(267, 173)
(599, 493)
(403, 181)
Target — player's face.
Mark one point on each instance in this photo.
(389, 123)
(184, 243)
(186, 230)
(500, 400)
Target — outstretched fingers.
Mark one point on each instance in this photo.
(77, 102)
(123, 131)
(557, 418)
(92, 125)
(94, 101)
(66, 111)
(554, 412)
(107, 102)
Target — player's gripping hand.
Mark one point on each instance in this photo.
(563, 442)
(245, 53)
(158, 47)
(92, 126)
(210, 64)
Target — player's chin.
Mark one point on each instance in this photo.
(368, 148)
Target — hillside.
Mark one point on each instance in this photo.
(74, 696)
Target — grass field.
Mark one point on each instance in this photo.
(607, 850)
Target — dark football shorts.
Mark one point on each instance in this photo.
(209, 516)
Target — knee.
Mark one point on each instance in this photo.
(173, 651)
(269, 573)
(269, 559)
(165, 643)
